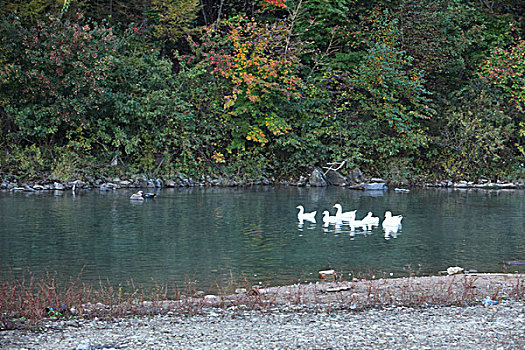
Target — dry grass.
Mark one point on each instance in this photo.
(26, 301)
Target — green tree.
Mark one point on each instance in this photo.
(477, 139)
(30, 11)
(172, 20)
(390, 92)
(505, 68)
(435, 41)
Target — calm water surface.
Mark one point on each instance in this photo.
(208, 235)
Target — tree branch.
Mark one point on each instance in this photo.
(294, 17)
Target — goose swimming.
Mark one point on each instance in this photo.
(305, 216)
(344, 216)
(392, 221)
(327, 219)
(358, 223)
(371, 220)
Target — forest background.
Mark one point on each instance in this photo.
(408, 90)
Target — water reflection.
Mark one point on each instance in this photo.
(349, 228)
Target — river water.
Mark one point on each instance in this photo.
(209, 236)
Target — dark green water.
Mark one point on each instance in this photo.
(209, 234)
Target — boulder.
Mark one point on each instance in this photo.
(328, 273)
(375, 186)
(226, 182)
(28, 188)
(58, 186)
(266, 181)
(355, 176)
(76, 184)
(150, 184)
(109, 186)
(125, 183)
(303, 180)
(454, 270)
(17, 189)
(402, 190)
(317, 178)
(461, 184)
(333, 178)
(85, 345)
(170, 183)
(141, 182)
(515, 262)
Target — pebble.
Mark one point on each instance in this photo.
(472, 327)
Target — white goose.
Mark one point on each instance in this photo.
(327, 219)
(305, 216)
(391, 221)
(358, 223)
(371, 220)
(344, 216)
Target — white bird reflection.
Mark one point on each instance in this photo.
(309, 224)
(391, 231)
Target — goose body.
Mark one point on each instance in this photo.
(344, 216)
(358, 223)
(305, 216)
(392, 221)
(371, 220)
(327, 219)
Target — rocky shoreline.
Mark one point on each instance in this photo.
(317, 178)
(437, 312)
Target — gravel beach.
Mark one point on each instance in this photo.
(343, 316)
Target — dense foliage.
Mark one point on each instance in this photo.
(403, 89)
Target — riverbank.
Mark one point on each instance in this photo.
(313, 180)
(461, 311)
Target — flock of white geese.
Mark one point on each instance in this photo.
(391, 223)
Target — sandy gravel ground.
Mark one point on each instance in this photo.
(447, 312)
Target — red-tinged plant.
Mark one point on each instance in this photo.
(261, 71)
(55, 76)
(277, 3)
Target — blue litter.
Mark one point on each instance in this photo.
(489, 302)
